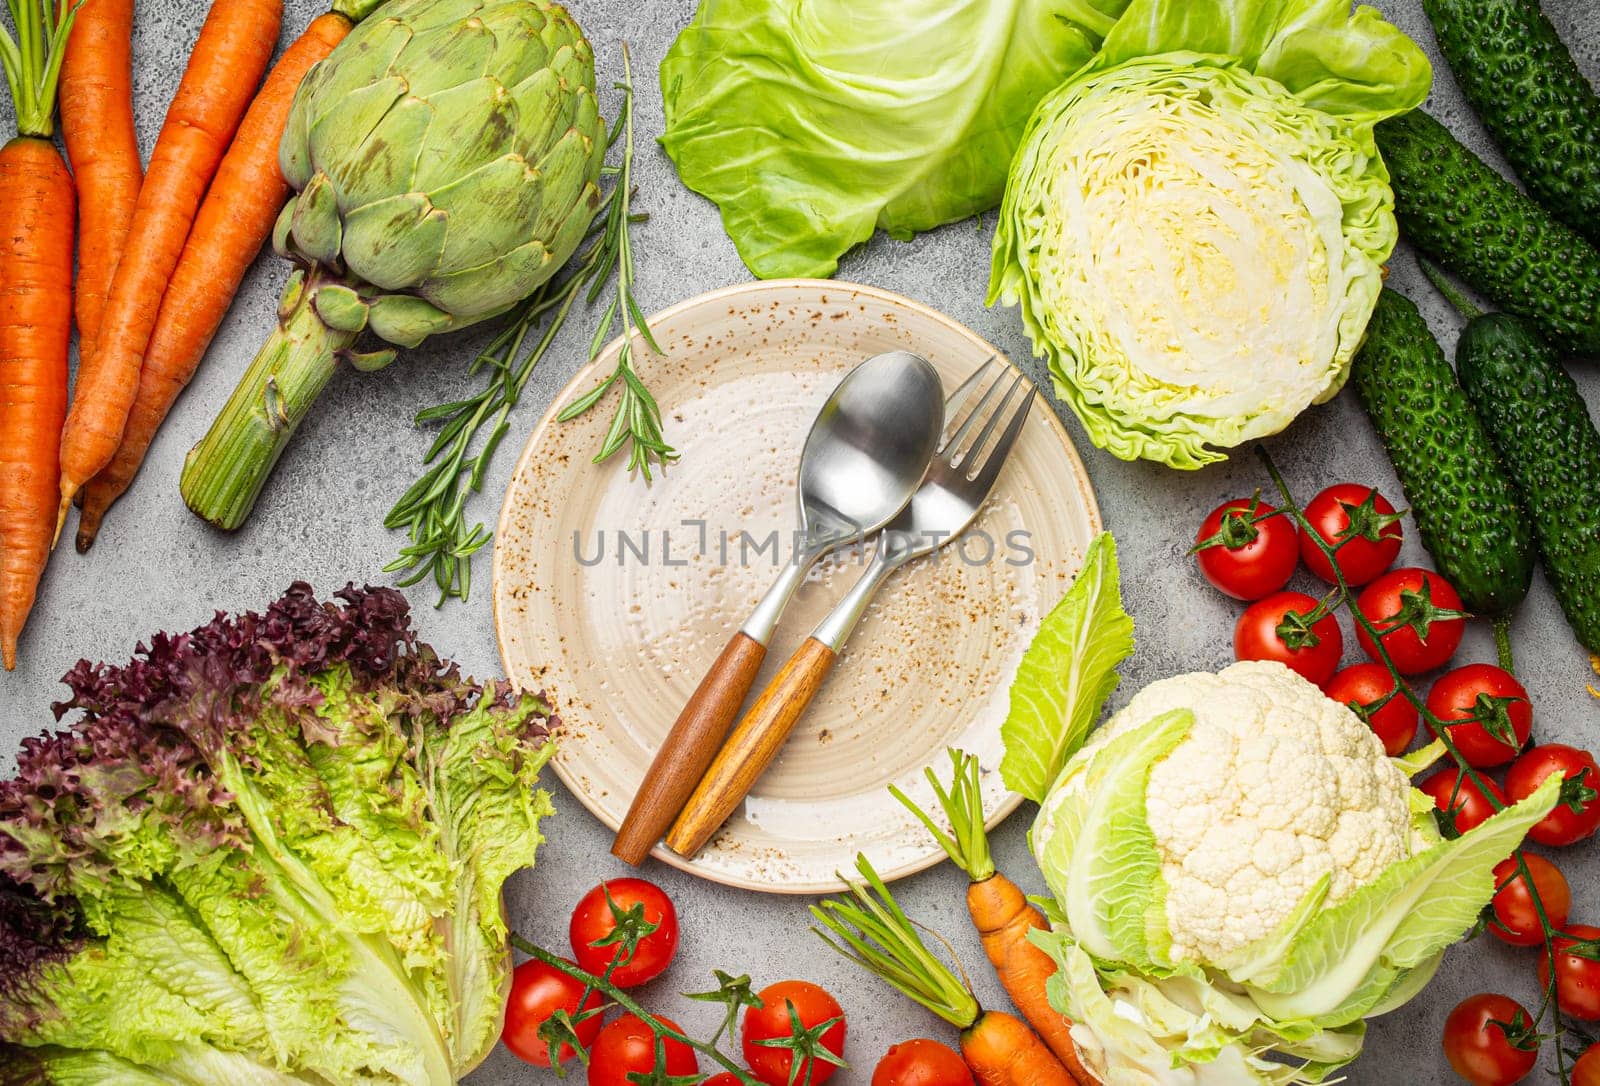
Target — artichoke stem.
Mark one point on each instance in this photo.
(225, 472)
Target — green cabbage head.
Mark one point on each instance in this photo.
(1242, 878)
(1195, 222)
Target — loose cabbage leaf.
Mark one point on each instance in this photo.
(811, 123)
(1342, 63)
(1066, 675)
(1196, 222)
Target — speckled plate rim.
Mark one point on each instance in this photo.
(775, 291)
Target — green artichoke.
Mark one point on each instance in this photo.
(445, 160)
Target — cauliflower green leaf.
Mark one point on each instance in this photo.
(1066, 675)
(1401, 919)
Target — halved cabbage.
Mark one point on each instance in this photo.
(1195, 223)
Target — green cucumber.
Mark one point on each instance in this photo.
(1531, 97)
(1548, 444)
(1454, 207)
(1467, 511)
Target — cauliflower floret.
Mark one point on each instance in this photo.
(1276, 786)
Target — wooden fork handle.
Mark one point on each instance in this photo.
(752, 746)
(689, 747)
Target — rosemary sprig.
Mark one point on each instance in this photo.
(637, 423)
(432, 511)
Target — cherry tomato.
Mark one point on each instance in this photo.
(1275, 629)
(1516, 919)
(593, 920)
(1249, 554)
(538, 991)
(1361, 523)
(921, 1063)
(1464, 800)
(1418, 615)
(770, 1022)
(1479, 1048)
(1362, 686)
(723, 1078)
(1586, 1072)
(1577, 975)
(627, 1046)
(1562, 826)
(1498, 701)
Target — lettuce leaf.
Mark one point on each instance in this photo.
(1066, 675)
(812, 123)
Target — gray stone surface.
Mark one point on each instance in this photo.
(157, 567)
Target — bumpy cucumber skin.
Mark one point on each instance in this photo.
(1526, 89)
(1480, 226)
(1467, 512)
(1549, 446)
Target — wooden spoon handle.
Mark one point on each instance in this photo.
(752, 746)
(689, 748)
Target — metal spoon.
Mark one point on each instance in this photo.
(865, 457)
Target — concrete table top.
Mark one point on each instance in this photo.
(157, 567)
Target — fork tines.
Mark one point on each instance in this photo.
(990, 409)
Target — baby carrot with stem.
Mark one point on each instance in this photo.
(233, 223)
(37, 212)
(869, 927)
(97, 127)
(999, 909)
(235, 45)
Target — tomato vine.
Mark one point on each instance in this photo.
(1343, 595)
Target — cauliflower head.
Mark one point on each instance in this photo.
(1276, 788)
(1242, 876)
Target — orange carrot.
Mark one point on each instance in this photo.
(223, 72)
(37, 212)
(1003, 917)
(868, 926)
(236, 219)
(999, 909)
(1002, 1051)
(97, 126)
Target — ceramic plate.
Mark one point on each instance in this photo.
(613, 595)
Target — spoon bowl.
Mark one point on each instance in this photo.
(870, 446)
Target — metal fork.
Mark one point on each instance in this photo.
(959, 480)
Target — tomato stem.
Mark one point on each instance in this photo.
(662, 1030)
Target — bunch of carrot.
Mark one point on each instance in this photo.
(999, 909)
(161, 255)
(869, 927)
